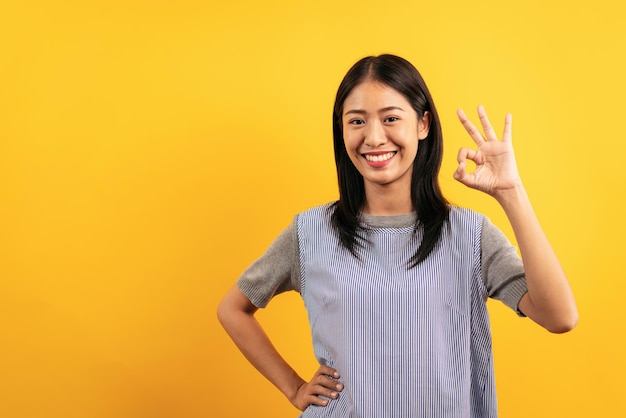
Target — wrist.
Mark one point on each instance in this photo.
(294, 387)
(511, 196)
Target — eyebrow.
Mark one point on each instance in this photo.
(384, 109)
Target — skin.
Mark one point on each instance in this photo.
(236, 313)
(377, 120)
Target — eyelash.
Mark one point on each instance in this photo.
(388, 119)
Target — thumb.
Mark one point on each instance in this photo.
(460, 174)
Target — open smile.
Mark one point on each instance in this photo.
(379, 157)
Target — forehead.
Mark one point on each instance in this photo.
(373, 95)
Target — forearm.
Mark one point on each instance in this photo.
(252, 341)
(549, 301)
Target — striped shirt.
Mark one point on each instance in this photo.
(407, 342)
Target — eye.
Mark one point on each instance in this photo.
(356, 122)
(391, 119)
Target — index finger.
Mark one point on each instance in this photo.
(470, 128)
(328, 371)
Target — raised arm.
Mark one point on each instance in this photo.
(236, 314)
(549, 300)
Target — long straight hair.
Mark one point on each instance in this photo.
(431, 207)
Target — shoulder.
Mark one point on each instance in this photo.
(314, 226)
(318, 210)
(465, 219)
(316, 214)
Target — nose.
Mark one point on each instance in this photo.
(375, 134)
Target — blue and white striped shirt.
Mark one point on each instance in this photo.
(407, 342)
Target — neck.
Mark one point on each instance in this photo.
(387, 200)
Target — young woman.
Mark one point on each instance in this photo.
(394, 278)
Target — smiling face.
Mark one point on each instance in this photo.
(381, 132)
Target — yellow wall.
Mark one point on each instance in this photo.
(150, 150)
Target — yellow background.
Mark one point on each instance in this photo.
(151, 150)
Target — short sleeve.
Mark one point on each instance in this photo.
(273, 272)
(503, 270)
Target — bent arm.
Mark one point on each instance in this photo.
(236, 314)
(549, 301)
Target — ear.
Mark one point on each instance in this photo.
(423, 126)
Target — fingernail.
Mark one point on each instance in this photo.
(336, 374)
(339, 386)
(334, 394)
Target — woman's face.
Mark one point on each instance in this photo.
(381, 132)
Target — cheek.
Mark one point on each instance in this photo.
(350, 143)
(351, 149)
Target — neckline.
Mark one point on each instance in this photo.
(389, 221)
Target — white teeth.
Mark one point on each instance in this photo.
(378, 158)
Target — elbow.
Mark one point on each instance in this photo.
(564, 324)
(220, 313)
(223, 313)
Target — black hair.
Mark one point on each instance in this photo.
(431, 207)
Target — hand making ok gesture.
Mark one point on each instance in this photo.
(496, 170)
